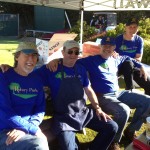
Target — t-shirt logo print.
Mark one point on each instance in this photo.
(22, 92)
(123, 47)
(59, 75)
(104, 65)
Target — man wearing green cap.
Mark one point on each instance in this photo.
(22, 103)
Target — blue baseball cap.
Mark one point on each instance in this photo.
(108, 41)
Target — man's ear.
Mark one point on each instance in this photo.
(63, 51)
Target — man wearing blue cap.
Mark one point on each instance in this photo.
(131, 44)
(22, 103)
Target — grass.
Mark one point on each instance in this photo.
(8, 46)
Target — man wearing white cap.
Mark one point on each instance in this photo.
(71, 114)
(22, 103)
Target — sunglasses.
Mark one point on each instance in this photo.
(75, 52)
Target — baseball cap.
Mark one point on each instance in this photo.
(27, 48)
(71, 44)
(132, 21)
(108, 41)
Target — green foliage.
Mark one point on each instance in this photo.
(120, 28)
(7, 48)
(144, 29)
(88, 31)
(111, 33)
(146, 54)
(115, 32)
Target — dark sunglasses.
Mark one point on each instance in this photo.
(75, 52)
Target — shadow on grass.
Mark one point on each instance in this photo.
(54, 145)
(9, 40)
(124, 143)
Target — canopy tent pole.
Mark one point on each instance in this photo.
(81, 31)
(68, 19)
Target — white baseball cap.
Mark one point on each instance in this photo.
(71, 44)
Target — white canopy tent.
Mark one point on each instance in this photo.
(89, 5)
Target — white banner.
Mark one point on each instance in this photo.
(58, 40)
(42, 47)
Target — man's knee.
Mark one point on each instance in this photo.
(123, 113)
(128, 64)
(40, 144)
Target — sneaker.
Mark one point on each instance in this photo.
(130, 135)
(114, 146)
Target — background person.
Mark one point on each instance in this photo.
(22, 103)
(131, 44)
(93, 20)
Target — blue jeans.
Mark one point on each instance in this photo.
(27, 142)
(130, 73)
(141, 104)
(106, 133)
(120, 111)
(119, 106)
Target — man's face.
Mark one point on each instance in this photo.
(26, 62)
(107, 50)
(131, 29)
(70, 56)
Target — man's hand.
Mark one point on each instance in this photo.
(52, 65)
(14, 136)
(115, 54)
(143, 73)
(40, 134)
(4, 67)
(100, 114)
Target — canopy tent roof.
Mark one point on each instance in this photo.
(89, 5)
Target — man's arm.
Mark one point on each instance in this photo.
(138, 57)
(4, 67)
(94, 101)
(53, 65)
(140, 46)
(136, 63)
